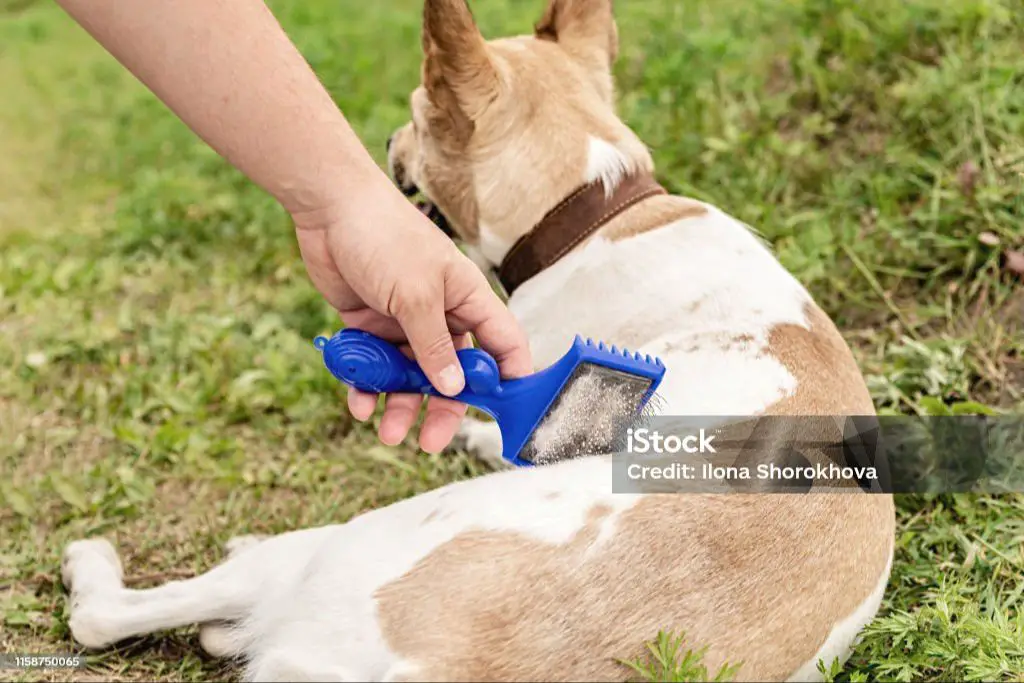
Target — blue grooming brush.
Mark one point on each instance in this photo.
(581, 405)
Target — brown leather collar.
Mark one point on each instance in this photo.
(574, 219)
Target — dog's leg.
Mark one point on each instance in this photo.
(223, 638)
(482, 440)
(103, 611)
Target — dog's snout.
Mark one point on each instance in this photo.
(397, 170)
(400, 178)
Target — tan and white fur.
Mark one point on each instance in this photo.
(543, 573)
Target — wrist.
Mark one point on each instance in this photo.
(339, 201)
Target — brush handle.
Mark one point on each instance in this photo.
(368, 363)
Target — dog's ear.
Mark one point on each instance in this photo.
(457, 71)
(584, 28)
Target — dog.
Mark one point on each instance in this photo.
(541, 573)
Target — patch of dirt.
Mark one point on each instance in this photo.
(47, 442)
(1011, 314)
(780, 76)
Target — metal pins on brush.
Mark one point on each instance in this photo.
(591, 415)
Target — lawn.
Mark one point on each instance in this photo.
(157, 379)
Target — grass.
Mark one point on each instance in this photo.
(668, 659)
(157, 381)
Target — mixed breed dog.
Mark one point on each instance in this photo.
(542, 573)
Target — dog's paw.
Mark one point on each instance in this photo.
(92, 572)
(89, 623)
(482, 440)
(239, 544)
(89, 564)
(219, 639)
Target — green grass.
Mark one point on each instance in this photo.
(157, 381)
(668, 659)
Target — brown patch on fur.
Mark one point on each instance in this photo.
(651, 214)
(828, 379)
(828, 384)
(760, 579)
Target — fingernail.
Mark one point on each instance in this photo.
(452, 380)
(390, 437)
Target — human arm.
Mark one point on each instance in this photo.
(228, 70)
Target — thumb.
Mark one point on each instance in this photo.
(426, 329)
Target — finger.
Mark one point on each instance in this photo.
(423, 321)
(498, 332)
(386, 327)
(462, 341)
(369, 320)
(440, 424)
(400, 412)
(443, 416)
(361, 404)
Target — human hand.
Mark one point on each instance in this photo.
(389, 271)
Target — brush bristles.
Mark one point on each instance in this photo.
(652, 408)
(590, 416)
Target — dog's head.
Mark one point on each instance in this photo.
(503, 130)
